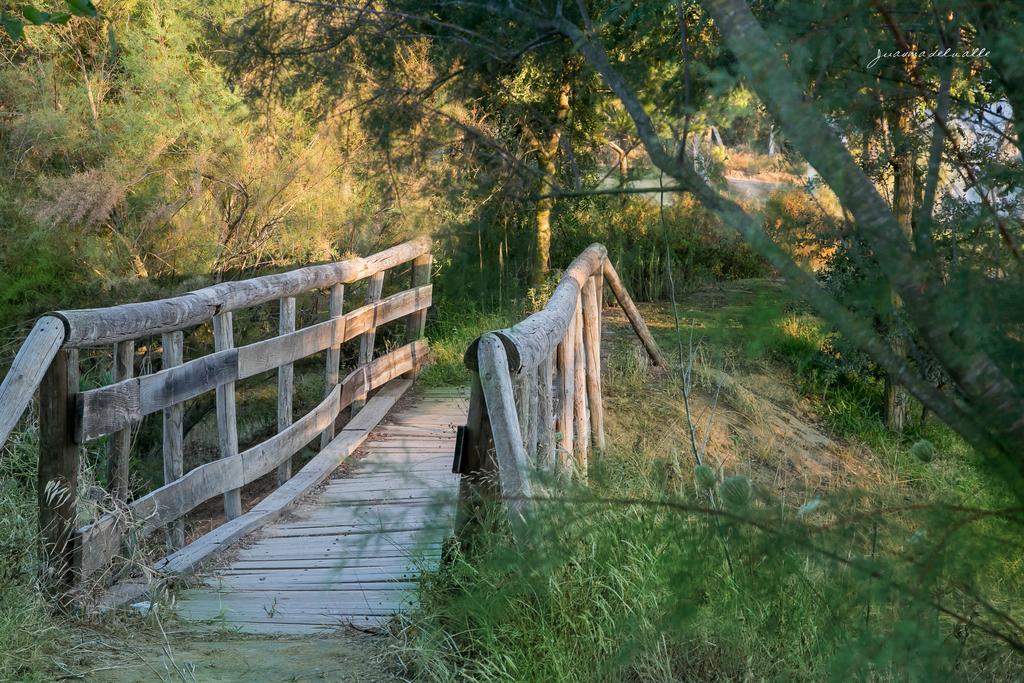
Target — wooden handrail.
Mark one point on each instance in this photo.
(536, 401)
(27, 370)
(68, 417)
(98, 326)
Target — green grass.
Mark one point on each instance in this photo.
(452, 327)
(28, 635)
(644, 581)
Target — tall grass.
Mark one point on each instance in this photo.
(27, 633)
(637, 577)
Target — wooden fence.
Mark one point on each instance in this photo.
(69, 418)
(536, 400)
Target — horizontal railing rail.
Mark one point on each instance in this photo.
(70, 418)
(536, 398)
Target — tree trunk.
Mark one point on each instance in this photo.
(547, 154)
(900, 126)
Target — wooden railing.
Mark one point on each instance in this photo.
(69, 418)
(536, 401)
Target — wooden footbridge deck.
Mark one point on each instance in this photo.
(351, 552)
(343, 539)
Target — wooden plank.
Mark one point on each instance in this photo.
(30, 364)
(579, 408)
(267, 455)
(530, 341)
(592, 345)
(282, 499)
(566, 391)
(107, 409)
(93, 327)
(173, 434)
(416, 323)
(285, 383)
(227, 420)
(546, 455)
(633, 315)
(120, 441)
(333, 365)
(57, 475)
(366, 341)
(512, 465)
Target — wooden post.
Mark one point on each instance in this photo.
(567, 390)
(546, 413)
(333, 370)
(633, 314)
(509, 455)
(416, 323)
(478, 477)
(227, 422)
(121, 441)
(286, 382)
(174, 435)
(581, 417)
(533, 411)
(592, 344)
(373, 289)
(58, 468)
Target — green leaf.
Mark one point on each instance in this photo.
(34, 16)
(15, 29)
(736, 492)
(706, 477)
(60, 18)
(82, 8)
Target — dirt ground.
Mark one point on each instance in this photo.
(194, 657)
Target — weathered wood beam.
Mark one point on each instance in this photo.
(373, 289)
(121, 441)
(57, 479)
(592, 344)
(174, 433)
(97, 326)
(107, 409)
(636, 320)
(333, 363)
(285, 383)
(27, 371)
(227, 418)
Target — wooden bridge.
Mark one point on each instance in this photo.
(398, 468)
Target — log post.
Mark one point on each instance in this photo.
(57, 479)
(546, 413)
(633, 314)
(373, 289)
(581, 417)
(566, 391)
(173, 434)
(477, 467)
(333, 369)
(509, 455)
(121, 441)
(592, 344)
(533, 411)
(286, 380)
(227, 422)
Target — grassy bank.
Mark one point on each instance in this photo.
(850, 559)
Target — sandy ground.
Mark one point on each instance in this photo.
(217, 658)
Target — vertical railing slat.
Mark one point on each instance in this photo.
(592, 344)
(286, 382)
(173, 433)
(121, 441)
(333, 370)
(581, 414)
(227, 418)
(374, 286)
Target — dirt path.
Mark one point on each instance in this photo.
(231, 658)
